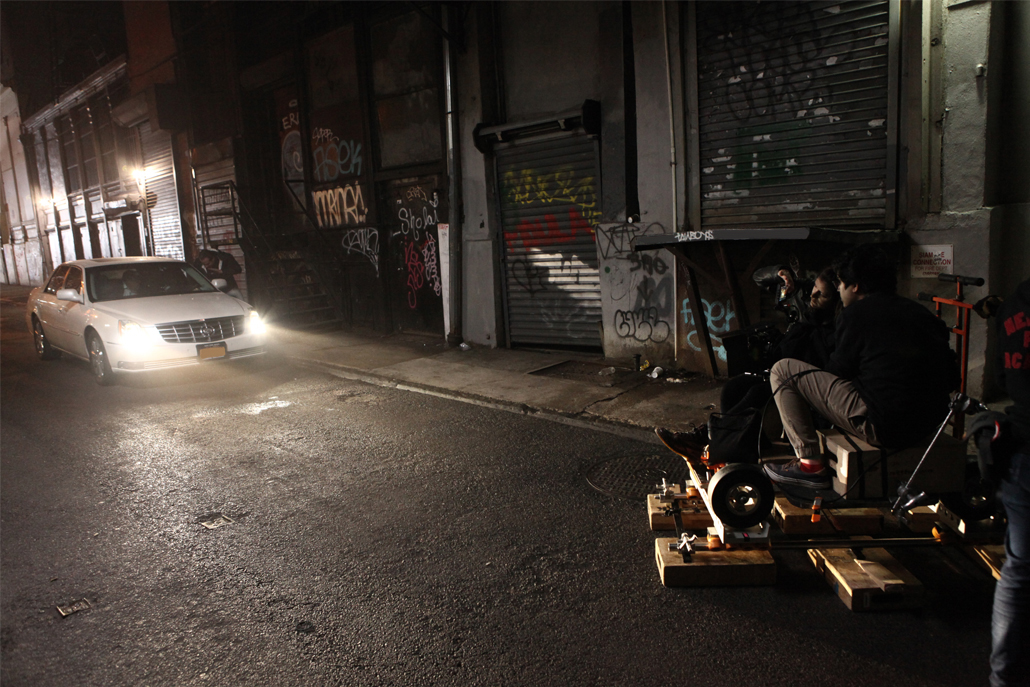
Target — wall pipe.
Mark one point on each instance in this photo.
(454, 306)
(672, 122)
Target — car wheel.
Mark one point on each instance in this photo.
(43, 348)
(98, 362)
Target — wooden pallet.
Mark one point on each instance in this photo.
(694, 515)
(852, 521)
(991, 556)
(875, 582)
(714, 568)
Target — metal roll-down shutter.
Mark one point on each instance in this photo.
(166, 230)
(549, 204)
(794, 114)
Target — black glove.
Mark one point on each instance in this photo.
(992, 436)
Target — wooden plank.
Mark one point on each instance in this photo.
(695, 515)
(921, 519)
(714, 568)
(991, 556)
(873, 583)
(795, 520)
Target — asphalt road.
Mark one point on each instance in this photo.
(384, 537)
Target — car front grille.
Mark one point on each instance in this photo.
(200, 331)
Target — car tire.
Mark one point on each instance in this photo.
(44, 351)
(98, 362)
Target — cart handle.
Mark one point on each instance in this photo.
(959, 279)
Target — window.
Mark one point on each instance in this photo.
(84, 127)
(57, 279)
(406, 57)
(66, 135)
(74, 279)
(100, 109)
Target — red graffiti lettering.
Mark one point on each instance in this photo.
(416, 271)
(534, 233)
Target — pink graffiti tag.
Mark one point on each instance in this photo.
(533, 233)
(416, 271)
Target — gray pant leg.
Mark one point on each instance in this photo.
(834, 398)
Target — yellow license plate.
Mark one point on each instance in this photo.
(209, 352)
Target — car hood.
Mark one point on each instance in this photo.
(160, 309)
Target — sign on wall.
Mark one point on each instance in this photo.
(929, 261)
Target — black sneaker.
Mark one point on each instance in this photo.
(791, 473)
(689, 444)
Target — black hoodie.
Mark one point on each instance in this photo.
(896, 353)
(1014, 361)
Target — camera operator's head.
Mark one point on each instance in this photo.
(824, 300)
(862, 271)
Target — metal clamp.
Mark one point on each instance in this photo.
(684, 545)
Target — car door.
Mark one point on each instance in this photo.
(73, 316)
(48, 307)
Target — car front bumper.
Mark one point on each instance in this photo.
(159, 356)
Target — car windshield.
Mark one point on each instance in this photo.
(144, 279)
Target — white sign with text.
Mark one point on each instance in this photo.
(929, 261)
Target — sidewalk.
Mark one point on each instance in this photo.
(574, 388)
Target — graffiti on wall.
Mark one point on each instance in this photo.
(334, 157)
(364, 242)
(639, 284)
(422, 265)
(718, 314)
(340, 206)
(535, 233)
(416, 271)
(417, 212)
(527, 186)
(429, 259)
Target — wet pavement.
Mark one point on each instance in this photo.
(395, 512)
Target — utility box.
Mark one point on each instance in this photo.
(864, 471)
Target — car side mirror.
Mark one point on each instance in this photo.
(219, 284)
(69, 295)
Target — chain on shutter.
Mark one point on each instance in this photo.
(549, 205)
(793, 113)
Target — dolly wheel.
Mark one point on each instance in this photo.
(741, 495)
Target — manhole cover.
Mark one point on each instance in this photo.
(634, 477)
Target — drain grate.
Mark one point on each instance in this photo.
(634, 477)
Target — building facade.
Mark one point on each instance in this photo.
(481, 171)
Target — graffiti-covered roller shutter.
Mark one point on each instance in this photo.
(793, 113)
(161, 196)
(549, 205)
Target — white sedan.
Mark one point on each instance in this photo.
(135, 314)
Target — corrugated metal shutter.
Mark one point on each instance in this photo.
(793, 113)
(161, 195)
(549, 205)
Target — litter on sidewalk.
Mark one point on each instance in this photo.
(74, 607)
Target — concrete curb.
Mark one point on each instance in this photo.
(596, 423)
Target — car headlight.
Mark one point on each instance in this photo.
(132, 333)
(256, 326)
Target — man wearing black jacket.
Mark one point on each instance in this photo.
(888, 379)
(1010, 660)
